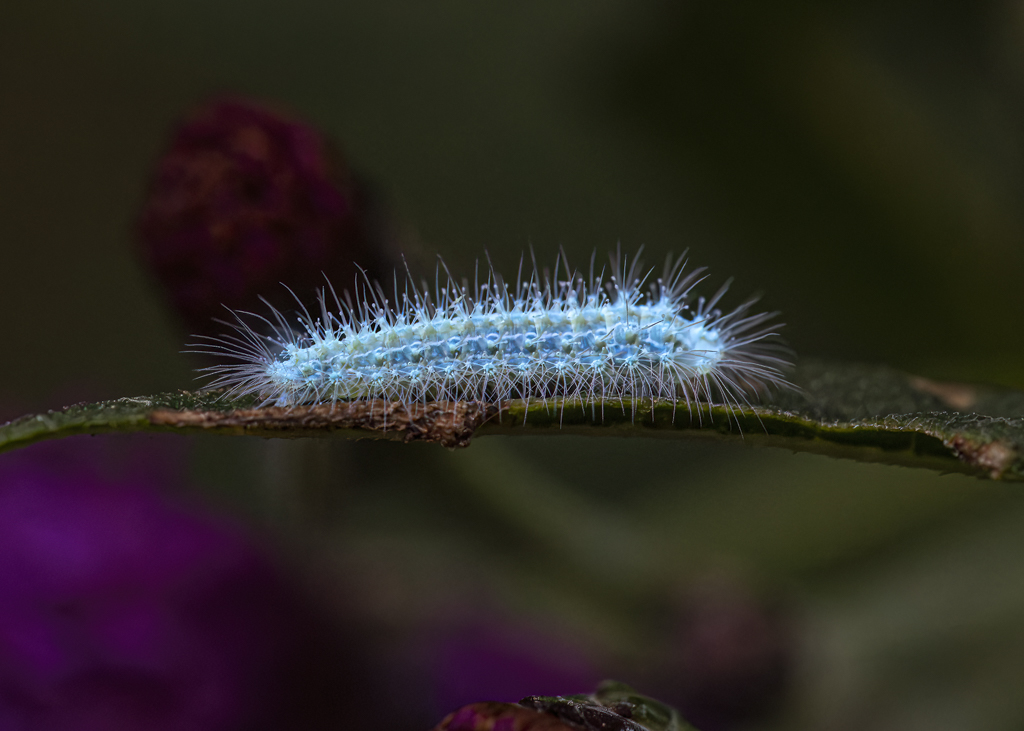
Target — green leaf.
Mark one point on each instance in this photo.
(867, 413)
(613, 706)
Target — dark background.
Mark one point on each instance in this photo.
(861, 163)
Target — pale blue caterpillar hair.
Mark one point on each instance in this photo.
(554, 335)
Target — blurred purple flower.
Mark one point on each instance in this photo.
(120, 609)
(733, 656)
(498, 661)
(245, 198)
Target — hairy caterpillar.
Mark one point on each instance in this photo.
(551, 336)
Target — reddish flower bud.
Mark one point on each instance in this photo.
(244, 199)
(612, 707)
(501, 717)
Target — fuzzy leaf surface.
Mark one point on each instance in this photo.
(868, 413)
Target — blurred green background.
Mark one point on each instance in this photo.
(861, 163)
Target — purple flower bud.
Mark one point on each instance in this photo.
(244, 199)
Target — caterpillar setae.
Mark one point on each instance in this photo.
(555, 336)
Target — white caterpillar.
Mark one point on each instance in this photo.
(558, 336)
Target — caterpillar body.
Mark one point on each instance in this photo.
(551, 337)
